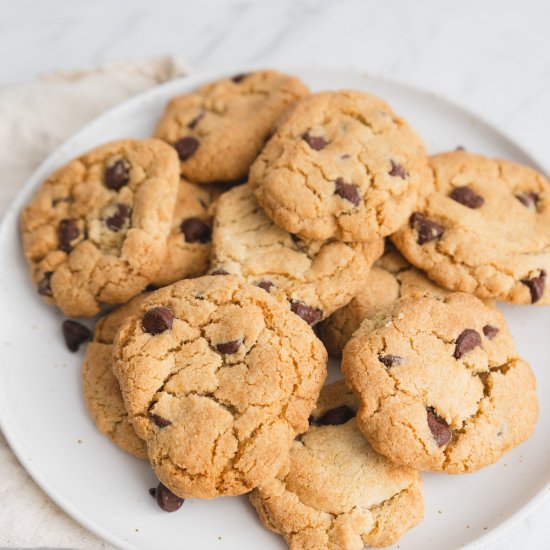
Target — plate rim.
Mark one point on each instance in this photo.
(191, 80)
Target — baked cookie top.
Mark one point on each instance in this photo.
(335, 491)
(188, 245)
(485, 229)
(314, 277)
(391, 278)
(100, 387)
(341, 165)
(221, 128)
(95, 232)
(440, 384)
(218, 377)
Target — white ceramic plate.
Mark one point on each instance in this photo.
(44, 417)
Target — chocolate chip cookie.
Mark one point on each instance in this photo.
(341, 165)
(95, 232)
(391, 278)
(218, 377)
(485, 229)
(100, 386)
(220, 129)
(334, 491)
(314, 277)
(440, 384)
(188, 246)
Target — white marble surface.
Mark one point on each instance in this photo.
(492, 56)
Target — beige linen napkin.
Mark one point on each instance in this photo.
(37, 117)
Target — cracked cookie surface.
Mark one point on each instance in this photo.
(335, 491)
(188, 245)
(440, 384)
(95, 232)
(391, 278)
(100, 387)
(341, 165)
(221, 128)
(314, 277)
(485, 229)
(218, 377)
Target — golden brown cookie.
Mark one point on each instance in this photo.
(188, 246)
(95, 232)
(314, 277)
(341, 165)
(218, 377)
(485, 229)
(390, 278)
(220, 129)
(335, 491)
(440, 384)
(101, 388)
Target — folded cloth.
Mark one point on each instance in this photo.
(37, 117)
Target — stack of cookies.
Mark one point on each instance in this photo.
(259, 228)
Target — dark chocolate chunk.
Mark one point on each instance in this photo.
(195, 230)
(335, 417)
(391, 360)
(428, 230)
(266, 285)
(119, 218)
(159, 420)
(44, 286)
(490, 331)
(536, 286)
(167, 500)
(529, 199)
(186, 147)
(467, 197)
(219, 272)
(117, 175)
(439, 428)
(315, 142)
(309, 314)
(157, 320)
(229, 348)
(467, 340)
(347, 191)
(75, 334)
(397, 170)
(68, 231)
(238, 78)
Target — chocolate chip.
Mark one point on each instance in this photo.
(119, 218)
(229, 348)
(45, 286)
(191, 124)
(536, 286)
(439, 428)
(186, 147)
(467, 340)
(391, 360)
(428, 230)
(219, 272)
(529, 199)
(68, 231)
(167, 500)
(157, 320)
(159, 420)
(195, 230)
(466, 196)
(117, 175)
(316, 143)
(397, 170)
(238, 78)
(336, 416)
(309, 314)
(490, 331)
(347, 191)
(266, 285)
(75, 334)
(460, 148)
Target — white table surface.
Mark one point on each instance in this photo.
(492, 56)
